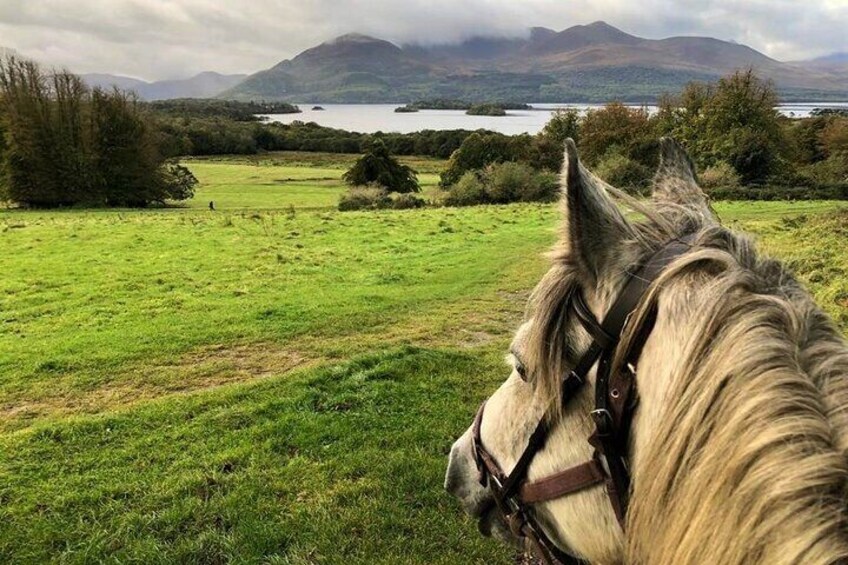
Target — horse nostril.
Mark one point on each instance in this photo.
(451, 482)
(453, 478)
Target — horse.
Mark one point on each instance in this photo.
(738, 418)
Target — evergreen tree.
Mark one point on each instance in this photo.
(378, 166)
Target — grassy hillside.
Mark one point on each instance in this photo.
(274, 382)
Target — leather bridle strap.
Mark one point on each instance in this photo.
(564, 483)
(612, 414)
(612, 429)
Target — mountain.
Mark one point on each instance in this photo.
(594, 62)
(204, 85)
(835, 63)
(106, 81)
(350, 63)
(832, 58)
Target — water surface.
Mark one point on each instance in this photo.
(370, 118)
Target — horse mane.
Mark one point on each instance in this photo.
(751, 444)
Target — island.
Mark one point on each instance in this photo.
(486, 110)
(450, 104)
(317, 109)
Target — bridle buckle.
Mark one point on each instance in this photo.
(603, 421)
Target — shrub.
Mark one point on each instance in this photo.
(831, 171)
(377, 198)
(720, 175)
(365, 198)
(545, 188)
(468, 191)
(834, 137)
(407, 202)
(622, 171)
(505, 182)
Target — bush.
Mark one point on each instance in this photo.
(831, 171)
(468, 191)
(834, 137)
(506, 182)
(622, 171)
(545, 188)
(365, 198)
(501, 184)
(377, 198)
(720, 175)
(407, 202)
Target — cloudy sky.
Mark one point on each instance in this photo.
(155, 39)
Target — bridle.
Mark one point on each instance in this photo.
(615, 403)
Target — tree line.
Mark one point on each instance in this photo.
(63, 144)
(187, 136)
(741, 144)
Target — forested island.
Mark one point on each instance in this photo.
(212, 108)
(471, 108)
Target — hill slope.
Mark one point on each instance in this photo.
(203, 85)
(594, 62)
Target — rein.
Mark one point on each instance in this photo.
(612, 415)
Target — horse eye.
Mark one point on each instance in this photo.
(522, 370)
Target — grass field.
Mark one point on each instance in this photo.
(302, 180)
(274, 382)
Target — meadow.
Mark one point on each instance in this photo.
(275, 381)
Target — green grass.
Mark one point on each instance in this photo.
(281, 180)
(274, 385)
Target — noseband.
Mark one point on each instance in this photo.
(613, 414)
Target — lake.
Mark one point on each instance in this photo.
(369, 118)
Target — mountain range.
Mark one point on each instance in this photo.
(585, 63)
(595, 62)
(203, 85)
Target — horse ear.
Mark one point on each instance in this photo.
(595, 228)
(676, 181)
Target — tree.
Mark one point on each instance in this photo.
(480, 149)
(64, 144)
(616, 128)
(743, 125)
(378, 166)
(31, 146)
(128, 159)
(564, 124)
(733, 121)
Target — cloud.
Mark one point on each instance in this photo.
(157, 39)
